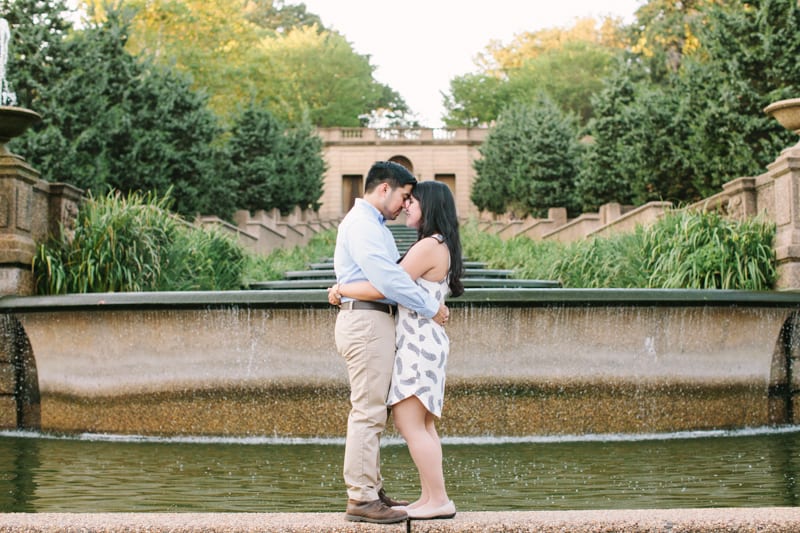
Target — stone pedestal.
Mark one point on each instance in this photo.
(17, 213)
(785, 173)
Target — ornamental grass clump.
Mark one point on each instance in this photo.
(684, 249)
(134, 243)
(707, 251)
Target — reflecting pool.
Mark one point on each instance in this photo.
(98, 473)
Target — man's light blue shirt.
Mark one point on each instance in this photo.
(365, 250)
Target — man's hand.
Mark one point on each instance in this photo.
(442, 316)
(334, 298)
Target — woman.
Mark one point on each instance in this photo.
(416, 394)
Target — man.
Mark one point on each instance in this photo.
(365, 332)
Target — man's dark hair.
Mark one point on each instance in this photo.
(395, 174)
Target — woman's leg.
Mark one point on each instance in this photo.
(416, 425)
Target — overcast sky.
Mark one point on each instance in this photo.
(418, 46)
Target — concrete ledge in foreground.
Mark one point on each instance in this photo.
(762, 520)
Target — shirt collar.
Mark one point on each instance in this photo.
(373, 210)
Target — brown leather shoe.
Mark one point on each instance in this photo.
(375, 512)
(389, 501)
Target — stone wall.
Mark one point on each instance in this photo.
(264, 231)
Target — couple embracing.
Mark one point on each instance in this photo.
(390, 332)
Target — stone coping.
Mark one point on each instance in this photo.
(533, 297)
(761, 519)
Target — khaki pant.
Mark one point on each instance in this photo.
(365, 339)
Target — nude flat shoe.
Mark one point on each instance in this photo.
(447, 510)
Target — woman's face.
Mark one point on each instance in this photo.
(413, 213)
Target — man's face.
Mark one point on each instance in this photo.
(394, 200)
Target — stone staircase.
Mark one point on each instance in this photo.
(321, 275)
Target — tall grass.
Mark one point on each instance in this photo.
(133, 243)
(274, 265)
(690, 250)
(685, 249)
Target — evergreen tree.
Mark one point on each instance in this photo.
(529, 161)
(638, 147)
(112, 121)
(274, 167)
(602, 177)
(749, 59)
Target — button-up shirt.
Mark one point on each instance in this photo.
(365, 250)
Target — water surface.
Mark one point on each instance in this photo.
(96, 473)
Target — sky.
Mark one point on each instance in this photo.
(418, 46)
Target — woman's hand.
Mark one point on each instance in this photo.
(334, 298)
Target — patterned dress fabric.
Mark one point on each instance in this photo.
(422, 348)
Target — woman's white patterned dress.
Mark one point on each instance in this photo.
(422, 349)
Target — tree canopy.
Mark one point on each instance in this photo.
(240, 51)
(117, 121)
(566, 64)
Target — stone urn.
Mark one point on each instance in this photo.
(786, 112)
(13, 123)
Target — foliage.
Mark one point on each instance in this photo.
(690, 250)
(316, 76)
(530, 259)
(128, 126)
(570, 75)
(684, 249)
(134, 243)
(529, 161)
(275, 264)
(638, 148)
(474, 100)
(748, 60)
(257, 50)
(566, 64)
(679, 135)
(274, 167)
(665, 31)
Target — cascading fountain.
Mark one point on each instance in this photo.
(525, 364)
(524, 361)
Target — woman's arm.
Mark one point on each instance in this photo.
(422, 257)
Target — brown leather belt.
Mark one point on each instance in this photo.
(369, 306)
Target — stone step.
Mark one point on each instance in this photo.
(329, 273)
(504, 283)
(327, 265)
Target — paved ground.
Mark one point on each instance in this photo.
(762, 520)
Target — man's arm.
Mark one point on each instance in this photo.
(370, 253)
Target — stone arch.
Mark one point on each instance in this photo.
(782, 387)
(19, 394)
(403, 160)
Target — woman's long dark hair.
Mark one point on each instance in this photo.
(439, 216)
